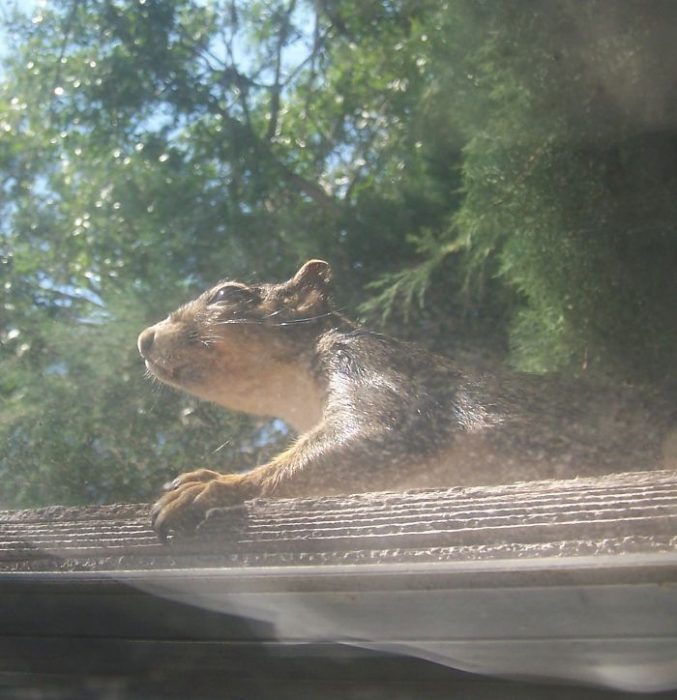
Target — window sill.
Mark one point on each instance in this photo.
(571, 580)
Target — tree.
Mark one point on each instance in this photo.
(568, 116)
(156, 147)
(474, 172)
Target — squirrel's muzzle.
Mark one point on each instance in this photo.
(145, 342)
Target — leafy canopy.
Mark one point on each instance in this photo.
(480, 175)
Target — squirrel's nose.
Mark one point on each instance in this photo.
(145, 341)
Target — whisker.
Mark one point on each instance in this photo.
(304, 320)
(148, 375)
(273, 313)
(263, 321)
(239, 321)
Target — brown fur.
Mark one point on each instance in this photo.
(374, 413)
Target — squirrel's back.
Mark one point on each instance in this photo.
(473, 427)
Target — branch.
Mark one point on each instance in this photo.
(262, 149)
(309, 188)
(65, 33)
(277, 85)
(74, 297)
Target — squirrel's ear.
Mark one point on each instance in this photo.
(310, 287)
(313, 274)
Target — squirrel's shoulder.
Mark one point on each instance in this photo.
(368, 357)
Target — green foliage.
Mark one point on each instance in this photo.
(472, 170)
(568, 171)
(404, 291)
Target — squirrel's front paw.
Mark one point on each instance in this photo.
(191, 495)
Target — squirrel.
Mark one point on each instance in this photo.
(374, 413)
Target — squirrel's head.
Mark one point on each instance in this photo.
(238, 344)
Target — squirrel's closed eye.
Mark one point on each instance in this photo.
(231, 293)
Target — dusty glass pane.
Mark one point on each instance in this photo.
(493, 183)
(326, 250)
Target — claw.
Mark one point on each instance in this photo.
(199, 476)
(185, 504)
